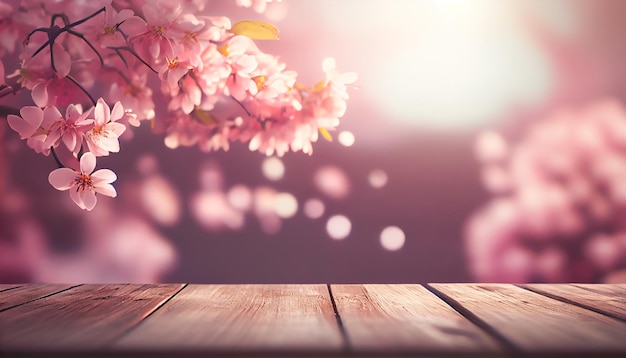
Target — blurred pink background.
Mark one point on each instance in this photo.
(423, 185)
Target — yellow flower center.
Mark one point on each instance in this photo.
(223, 50)
(83, 181)
(97, 130)
(260, 82)
(190, 36)
(173, 63)
(159, 30)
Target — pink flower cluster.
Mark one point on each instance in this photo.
(559, 207)
(214, 84)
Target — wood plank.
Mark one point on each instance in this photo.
(604, 289)
(261, 318)
(8, 286)
(535, 323)
(405, 318)
(604, 298)
(82, 318)
(20, 295)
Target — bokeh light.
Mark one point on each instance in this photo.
(265, 209)
(213, 212)
(332, 181)
(285, 205)
(211, 177)
(147, 164)
(392, 238)
(240, 197)
(491, 147)
(346, 138)
(314, 208)
(273, 168)
(338, 227)
(377, 178)
(160, 200)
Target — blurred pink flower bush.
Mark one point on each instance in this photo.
(558, 212)
(107, 55)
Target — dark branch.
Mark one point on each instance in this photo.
(82, 89)
(56, 158)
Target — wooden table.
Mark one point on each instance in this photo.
(438, 320)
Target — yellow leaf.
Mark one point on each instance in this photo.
(256, 30)
(326, 134)
(205, 117)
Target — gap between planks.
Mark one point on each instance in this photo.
(121, 335)
(588, 304)
(6, 287)
(33, 293)
(538, 324)
(483, 325)
(342, 329)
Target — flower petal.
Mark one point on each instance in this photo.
(18, 124)
(62, 178)
(101, 112)
(40, 94)
(62, 60)
(106, 189)
(69, 139)
(50, 116)
(87, 163)
(72, 113)
(117, 112)
(77, 199)
(29, 122)
(88, 197)
(103, 176)
(117, 128)
(109, 144)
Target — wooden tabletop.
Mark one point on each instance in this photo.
(435, 320)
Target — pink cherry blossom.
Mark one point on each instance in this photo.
(158, 40)
(215, 87)
(188, 97)
(69, 129)
(84, 184)
(241, 55)
(103, 137)
(28, 123)
(111, 31)
(135, 96)
(558, 195)
(171, 72)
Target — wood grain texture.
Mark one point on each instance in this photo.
(82, 318)
(405, 318)
(535, 323)
(241, 318)
(21, 295)
(608, 299)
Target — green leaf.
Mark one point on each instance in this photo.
(256, 30)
